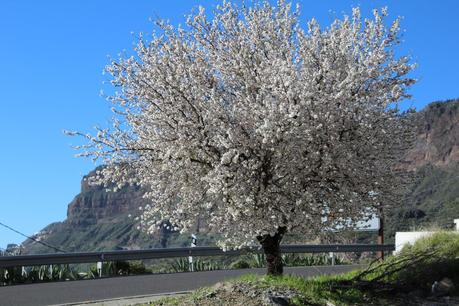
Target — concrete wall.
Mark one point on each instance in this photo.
(403, 238)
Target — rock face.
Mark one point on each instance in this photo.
(95, 203)
(437, 140)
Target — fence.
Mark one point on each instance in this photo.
(92, 257)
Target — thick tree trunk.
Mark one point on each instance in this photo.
(271, 248)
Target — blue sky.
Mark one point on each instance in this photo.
(52, 54)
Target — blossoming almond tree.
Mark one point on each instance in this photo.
(257, 125)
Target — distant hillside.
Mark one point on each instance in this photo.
(433, 202)
(434, 199)
(98, 220)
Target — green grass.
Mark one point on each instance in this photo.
(193, 298)
(317, 290)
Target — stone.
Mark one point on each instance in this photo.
(445, 285)
(442, 287)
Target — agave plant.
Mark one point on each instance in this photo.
(13, 275)
(180, 265)
(51, 273)
(258, 261)
(183, 265)
(309, 260)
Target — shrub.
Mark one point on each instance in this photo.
(240, 264)
(127, 268)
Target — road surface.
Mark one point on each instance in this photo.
(74, 292)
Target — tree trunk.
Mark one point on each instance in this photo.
(271, 248)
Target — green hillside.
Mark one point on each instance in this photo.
(432, 203)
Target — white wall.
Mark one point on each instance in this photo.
(403, 238)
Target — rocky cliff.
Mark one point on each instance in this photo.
(98, 219)
(437, 140)
(94, 203)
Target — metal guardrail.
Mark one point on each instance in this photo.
(90, 257)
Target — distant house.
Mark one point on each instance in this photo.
(12, 250)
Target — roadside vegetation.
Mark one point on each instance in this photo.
(51, 273)
(250, 261)
(46, 273)
(426, 273)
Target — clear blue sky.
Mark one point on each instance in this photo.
(52, 54)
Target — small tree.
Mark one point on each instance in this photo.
(257, 125)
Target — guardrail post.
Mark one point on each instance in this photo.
(100, 266)
(332, 256)
(194, 242)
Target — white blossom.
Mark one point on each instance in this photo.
(252, 123)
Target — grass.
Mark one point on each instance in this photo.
(316, 291)
(312, 291)
(193, 297)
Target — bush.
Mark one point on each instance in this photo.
(13, 275)
(127, 268)
(240, 264)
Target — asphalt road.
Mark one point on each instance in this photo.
(70, 292)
